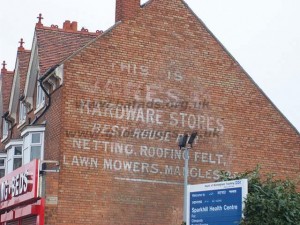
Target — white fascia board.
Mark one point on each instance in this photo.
(3, 155)
(30, 129)
(15, 92)
(1, 108)
(31, 77)
(14, 142)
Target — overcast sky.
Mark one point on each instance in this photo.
(263, 35)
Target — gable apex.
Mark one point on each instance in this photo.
(240, 66)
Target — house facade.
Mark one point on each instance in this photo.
(91, 120)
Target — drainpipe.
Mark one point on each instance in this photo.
(42, 78)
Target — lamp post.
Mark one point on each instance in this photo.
(182, 144)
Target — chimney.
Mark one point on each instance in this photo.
(74, 26)
(126, 9)
(68, 26)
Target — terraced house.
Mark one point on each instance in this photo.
(90, 120)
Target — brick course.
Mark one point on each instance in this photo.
(171, 55)
(160, 52)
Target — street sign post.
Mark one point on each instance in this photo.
(219, 203)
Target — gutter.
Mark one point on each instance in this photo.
(41, 79)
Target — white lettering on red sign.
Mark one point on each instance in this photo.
(17, 186)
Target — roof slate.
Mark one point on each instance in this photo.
(24, 58)
(55, 45)
(7, 81)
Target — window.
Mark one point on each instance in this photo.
(2, 166)
(33, 143)
(22, 113)
(33, 146)
(40, 96)
(5, 129)
(14, 158)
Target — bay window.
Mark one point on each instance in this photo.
(14, 158)
(14, 155)
(33, 143)
(2, 164)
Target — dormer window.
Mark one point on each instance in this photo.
(22, 113)
(40, 97)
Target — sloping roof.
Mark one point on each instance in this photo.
(55, 45)
(24, 57)
(18, 85)
(7, 81)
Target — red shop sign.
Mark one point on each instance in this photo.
(20, 186)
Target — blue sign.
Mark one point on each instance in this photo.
(217, 203)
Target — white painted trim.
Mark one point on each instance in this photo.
(30, 64)
(4, 138)
(21, 124)
(14, 142)
(15, 92)
(148, 181)
(3, 155)
(59, 72)
(41, 106)
(1, 101)
(31, 78)
(31, 129)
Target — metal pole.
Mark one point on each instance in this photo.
(186, 173)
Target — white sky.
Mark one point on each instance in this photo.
(264, 36)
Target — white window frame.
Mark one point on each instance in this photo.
(40, 97)
(3, 157)
(5, 129)
(28, 143)
(11, 157)
(22, 113)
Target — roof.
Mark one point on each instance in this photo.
(24, 57)
(7, 81)
(55, 45)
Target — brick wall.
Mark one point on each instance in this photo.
(52, 152)
(126, 177)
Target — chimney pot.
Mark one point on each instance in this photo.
(126, 9)
(67, 25)
(74, 26)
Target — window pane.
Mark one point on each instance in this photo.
(2, 173)
(35, 152)
(5, 128)
(18, 150)
(2, 162)
(26, 155)
(26, 141)
(22, 112)
(17, 163)
(9, 165)
(36, 138)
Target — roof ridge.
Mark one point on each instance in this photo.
(82, 31)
